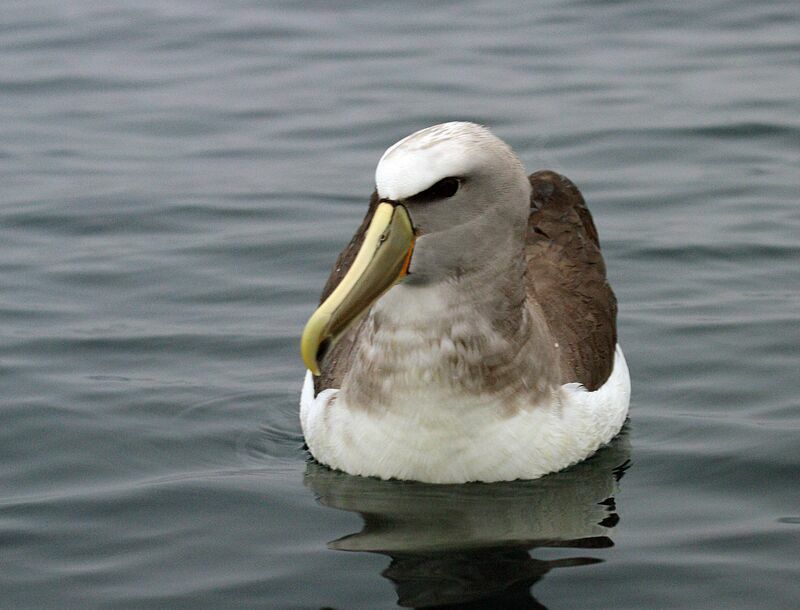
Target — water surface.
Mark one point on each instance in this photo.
(177, 179)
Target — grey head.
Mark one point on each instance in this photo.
(467, 195)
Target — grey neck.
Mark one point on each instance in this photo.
(473, 334)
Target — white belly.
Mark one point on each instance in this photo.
(467, 441)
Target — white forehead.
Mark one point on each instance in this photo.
(425, 157)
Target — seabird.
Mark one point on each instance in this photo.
(467, 331)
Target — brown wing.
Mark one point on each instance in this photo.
(334, 366)
(566, 276)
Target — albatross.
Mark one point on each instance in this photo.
(467, 332)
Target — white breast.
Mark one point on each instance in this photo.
(468, 441)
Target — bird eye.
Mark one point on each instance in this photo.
(446, 187)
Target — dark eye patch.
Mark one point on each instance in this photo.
(446, 187)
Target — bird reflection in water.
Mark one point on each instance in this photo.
(468, 546)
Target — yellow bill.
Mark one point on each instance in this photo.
(382, 260)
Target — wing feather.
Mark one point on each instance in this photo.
(566, 276)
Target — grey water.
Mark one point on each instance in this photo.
(176, 180)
